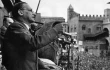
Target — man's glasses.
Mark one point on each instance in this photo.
(30, 10)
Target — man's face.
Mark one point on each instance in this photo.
(8, 22)
(28, 14)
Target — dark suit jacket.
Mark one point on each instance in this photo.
(19, 46)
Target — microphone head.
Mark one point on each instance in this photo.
(66, 34)
(34, 25)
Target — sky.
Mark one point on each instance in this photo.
(58, 8)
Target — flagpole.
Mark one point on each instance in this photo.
(37, 50)
(12, 2)
(38, 5)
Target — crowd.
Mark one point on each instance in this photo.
(88, 61)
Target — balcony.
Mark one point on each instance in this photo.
(97, 36)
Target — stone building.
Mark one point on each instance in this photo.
(89, 29)
(106, 23)
(44, 20)
(52, 19)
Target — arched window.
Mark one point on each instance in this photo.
(83, 27)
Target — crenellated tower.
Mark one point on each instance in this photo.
(92, 17)
(107, 13)
(71, 13)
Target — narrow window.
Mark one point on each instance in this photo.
(83, 27)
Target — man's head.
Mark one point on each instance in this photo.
(23, 12)
(7, 21)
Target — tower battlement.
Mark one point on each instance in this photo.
(91, 17)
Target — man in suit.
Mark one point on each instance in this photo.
(19, 45)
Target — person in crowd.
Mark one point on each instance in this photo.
(6, 22)
(19, 45)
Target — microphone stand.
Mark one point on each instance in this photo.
(68, 64)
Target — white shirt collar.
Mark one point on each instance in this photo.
(27, 26)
